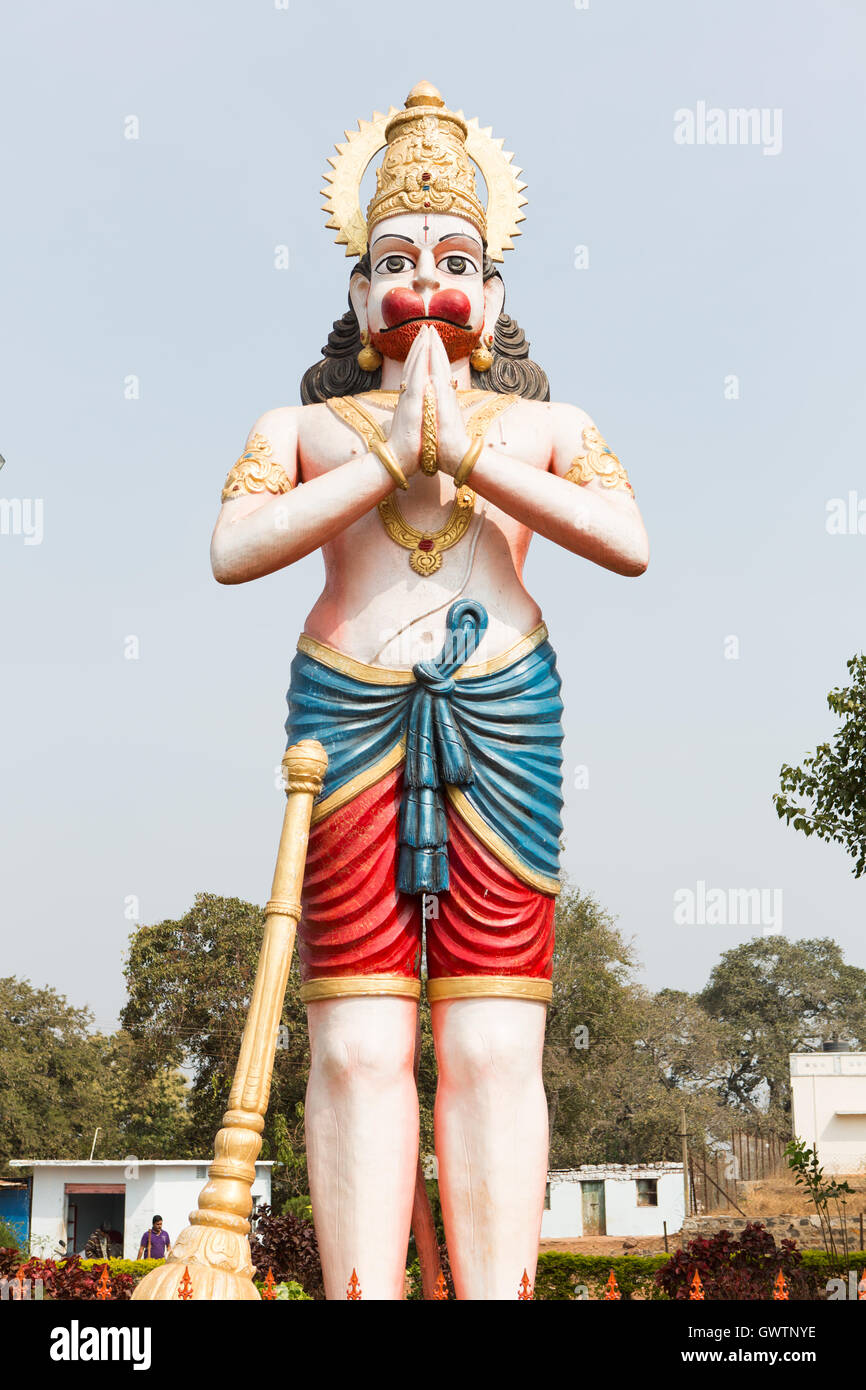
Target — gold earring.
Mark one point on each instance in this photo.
(482, 357)
(369, 359)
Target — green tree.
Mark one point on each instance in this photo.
(590, 1015)
(832, 780)
(60, 1081)
(151, 1119)
(55, 1080)
(673, 1057)
(189, 983)
(776, 996)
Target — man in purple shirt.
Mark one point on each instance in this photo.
(155, 1243)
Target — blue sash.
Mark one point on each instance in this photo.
(491, 742)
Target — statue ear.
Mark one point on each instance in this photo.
(494, 298)
(359, 293)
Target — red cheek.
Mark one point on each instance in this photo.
(452, 305)
(398, 305)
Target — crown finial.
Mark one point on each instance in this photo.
(424, 94)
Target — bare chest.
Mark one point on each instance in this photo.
(326, 442)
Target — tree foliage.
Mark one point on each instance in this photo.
(53, 1077)
(827, 795)
(620, 1061)
(189, 983)
(774, 996)
(60, 1081)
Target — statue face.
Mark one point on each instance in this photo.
(425, 270)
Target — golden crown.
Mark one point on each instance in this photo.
(427, 167)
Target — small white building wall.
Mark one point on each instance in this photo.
(623, 1216)
(171, 1190)
(829, 1104)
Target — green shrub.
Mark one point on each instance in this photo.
(301, 1207)
(559, 1271)
(137, 1268)
(9, 1237)
(289, 1288)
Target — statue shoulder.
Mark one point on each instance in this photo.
(284, 426)
(563, 424)
(573, 431)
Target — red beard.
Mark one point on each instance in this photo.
(403, 312)
(396, 342)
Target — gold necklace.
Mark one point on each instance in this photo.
(427, 547)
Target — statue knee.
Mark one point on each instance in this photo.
(491, 1052)
(344, 1060)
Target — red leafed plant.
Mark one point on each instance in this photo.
(10, 1260)
(287, 1245)
(65, 1280)
(735, 1267)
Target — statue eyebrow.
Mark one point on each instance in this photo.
(464, 236)
(392, 236)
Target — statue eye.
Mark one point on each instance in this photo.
(458, 265)
(393, 265)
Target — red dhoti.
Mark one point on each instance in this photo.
(489, 933)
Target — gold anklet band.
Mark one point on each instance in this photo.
(490, 986)
(353, 986)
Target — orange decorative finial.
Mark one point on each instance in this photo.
(440, 1291)
(353, 1291)
(184, 1289)
(525, 1292)
(103, 1287)
(268, 1290)
(612, 1289)
(780, 1288)
(697, 1288)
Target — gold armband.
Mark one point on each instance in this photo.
(598, 462)
(386, 457)
(468, 461)
(256, 471)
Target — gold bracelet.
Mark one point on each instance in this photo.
(386, 457)
(468, 461)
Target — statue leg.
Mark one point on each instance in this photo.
(491, 1140)
(362, 1139)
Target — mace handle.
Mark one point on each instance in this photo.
(215, 1246)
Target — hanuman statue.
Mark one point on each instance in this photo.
(424, 457)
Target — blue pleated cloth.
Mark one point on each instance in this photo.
(495, 737)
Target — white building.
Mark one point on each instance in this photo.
(70, 1198)
(613, 1199)
(829, 1102)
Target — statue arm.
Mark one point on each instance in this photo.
(276, 523)
(597, 521)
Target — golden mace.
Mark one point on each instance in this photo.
(215, 1246)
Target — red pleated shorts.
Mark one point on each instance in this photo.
(489, 933)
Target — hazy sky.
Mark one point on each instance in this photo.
(154, 258)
